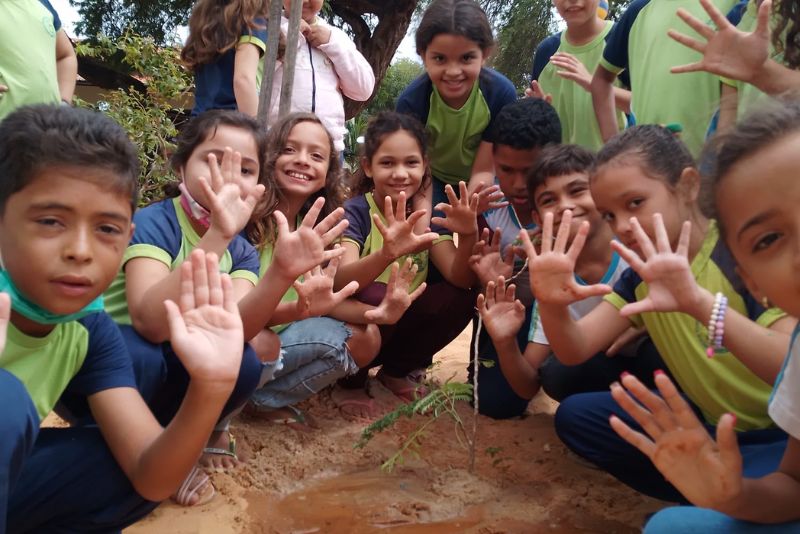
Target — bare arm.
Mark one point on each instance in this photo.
(460, 218)
(66, 66)
(245, 67)
(603, 99)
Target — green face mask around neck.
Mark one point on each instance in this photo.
(34, 312)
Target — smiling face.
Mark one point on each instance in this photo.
(62, 236)
(511, 165)
(453, 64)
(302, 166)
(567, 192)
(621, 190)
(197, 166)
(397, 166)
(577, 12)
(758, 207)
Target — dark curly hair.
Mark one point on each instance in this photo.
(379, 128)
(662, 155)
(261, 230)
(34, 138)
(455, 17)
(526, 123)
(788, 22)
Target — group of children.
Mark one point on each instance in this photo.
(264, 277)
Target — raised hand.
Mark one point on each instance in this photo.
(489, 197)
(315, 294)
(486, 260)
(536, 91)
(501, 312)
(230, 205)
(670, 282)
(206, 330)
(300, 251)
(552, 270)
(461, 214)
(399, 237)
(571, 68)
(397, 299)
(726, 51)
(707, 473)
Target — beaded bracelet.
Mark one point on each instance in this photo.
(716, 324)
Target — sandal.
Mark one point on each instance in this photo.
(198, 484)
(414, 389)
(230, 451)
(286, 415)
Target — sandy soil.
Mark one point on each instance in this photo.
(313, 480)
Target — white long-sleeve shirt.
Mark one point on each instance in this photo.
(321, 78)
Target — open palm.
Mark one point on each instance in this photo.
(501, 312)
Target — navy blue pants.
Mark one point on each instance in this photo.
(559, 381)
(582, 424)
(58, 480)
(162, 380)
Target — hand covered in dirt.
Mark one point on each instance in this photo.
(486, 260)
(230, 204)
(461, 214)
(552, 269)
(707, 473)
(397, 299)
(571, 68)
(315, 294)
(726, 51)
(304, 249)
(399, 235)
(205, 328)
(670, 282)
(502, 314)
(535, 91)
(489, 198)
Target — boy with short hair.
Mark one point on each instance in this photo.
(522, 129)
(560, 182)
(563, 65)
(68, 188)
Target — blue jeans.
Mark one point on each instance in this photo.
(315, 355)
(581, 422)
(691, 519)
(58, 480)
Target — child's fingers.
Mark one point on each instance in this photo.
(717, 17)
(215, 296)
(762, 24)
(677, 404)
(640, 414)
(393, 269)
(229, 301)
(217, 181)
(328, 255)
(497, 238)
(656, 405)
(511, 292)
(645, 245)
(637, 439)
(480, 303)
(547, 233)
(527, 245)
(280, 222)
(728, 445)
(417, 292)
(697, 66)
(346, 292)
(563, 232)
(311, 216)
(376, 220)
(490, 294)
(401, 206)
(579, 240)
(683, 240)
(335, 233)
(451, 195)
(662, 239)
(175, 322)
(333, 265)
(635, 308)
(187, 285)
(594, 290)
(200, 278)
(415, 216)
(629, 256)
(330, 221)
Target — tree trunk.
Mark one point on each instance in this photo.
(378, 47)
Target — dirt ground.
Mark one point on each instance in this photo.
(313, 480)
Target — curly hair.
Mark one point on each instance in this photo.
(788, 21)
(526, 123)
(216, 25)
(379, 128)
(261, 229)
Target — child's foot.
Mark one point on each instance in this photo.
(355, 404)
(220, 453)
(286, 415)
(196, 489)
(408, 388)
